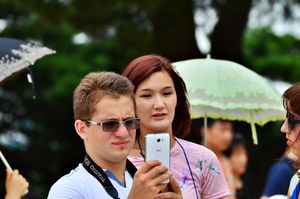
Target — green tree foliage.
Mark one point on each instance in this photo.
(118, 32)
(273, 56)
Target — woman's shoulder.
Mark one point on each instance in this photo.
(196, 149)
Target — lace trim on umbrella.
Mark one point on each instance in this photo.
(22, 58)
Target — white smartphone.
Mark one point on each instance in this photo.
(157, 147)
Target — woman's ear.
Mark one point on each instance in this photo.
(80, 128)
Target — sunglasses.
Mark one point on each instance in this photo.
(113, 125)
(292, 120)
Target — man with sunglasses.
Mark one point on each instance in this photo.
(291, 128)
(104, 112)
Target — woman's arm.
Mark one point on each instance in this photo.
(16, 185)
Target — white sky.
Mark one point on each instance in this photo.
(3, 25)
(81, 38)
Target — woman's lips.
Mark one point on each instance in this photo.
(159, 116)
(289, 142)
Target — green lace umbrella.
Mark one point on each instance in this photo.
(227, 90)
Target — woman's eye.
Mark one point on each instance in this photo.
(167, 93)
(146, 95)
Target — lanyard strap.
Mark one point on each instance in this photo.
(96, 171)
(188, 164)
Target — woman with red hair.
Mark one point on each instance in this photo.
(162, 106)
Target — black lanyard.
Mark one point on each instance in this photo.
(101, 176)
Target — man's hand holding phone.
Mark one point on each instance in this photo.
(147, 182)
(171, 191)
(153, 179)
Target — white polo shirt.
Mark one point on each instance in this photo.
(80, 184)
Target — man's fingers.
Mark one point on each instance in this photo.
(148, 166)
(174, 186)
(153, 172)
(161, 178)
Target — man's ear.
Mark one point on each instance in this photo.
(80, 128)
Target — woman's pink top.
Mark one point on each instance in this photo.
(208, 175)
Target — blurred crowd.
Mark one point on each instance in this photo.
(231, 148)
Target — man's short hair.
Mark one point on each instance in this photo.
(94, 86)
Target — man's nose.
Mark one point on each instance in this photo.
(122, 130)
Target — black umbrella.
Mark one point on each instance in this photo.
(17, 55)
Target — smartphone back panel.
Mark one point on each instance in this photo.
(158, 148)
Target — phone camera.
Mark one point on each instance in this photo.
(158, 140)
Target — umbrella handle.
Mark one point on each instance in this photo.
(5, 161)
(30, 80)
(254, 133)
(205, 130)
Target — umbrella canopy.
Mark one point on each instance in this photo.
(227, 90)
(16, 55)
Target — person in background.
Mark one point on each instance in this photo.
(279, 176)
(104, 112)
(162, 106)
(291, 129)
(218, 138)
(16, 185)
(237, 154)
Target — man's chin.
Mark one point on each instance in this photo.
(120, 157)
